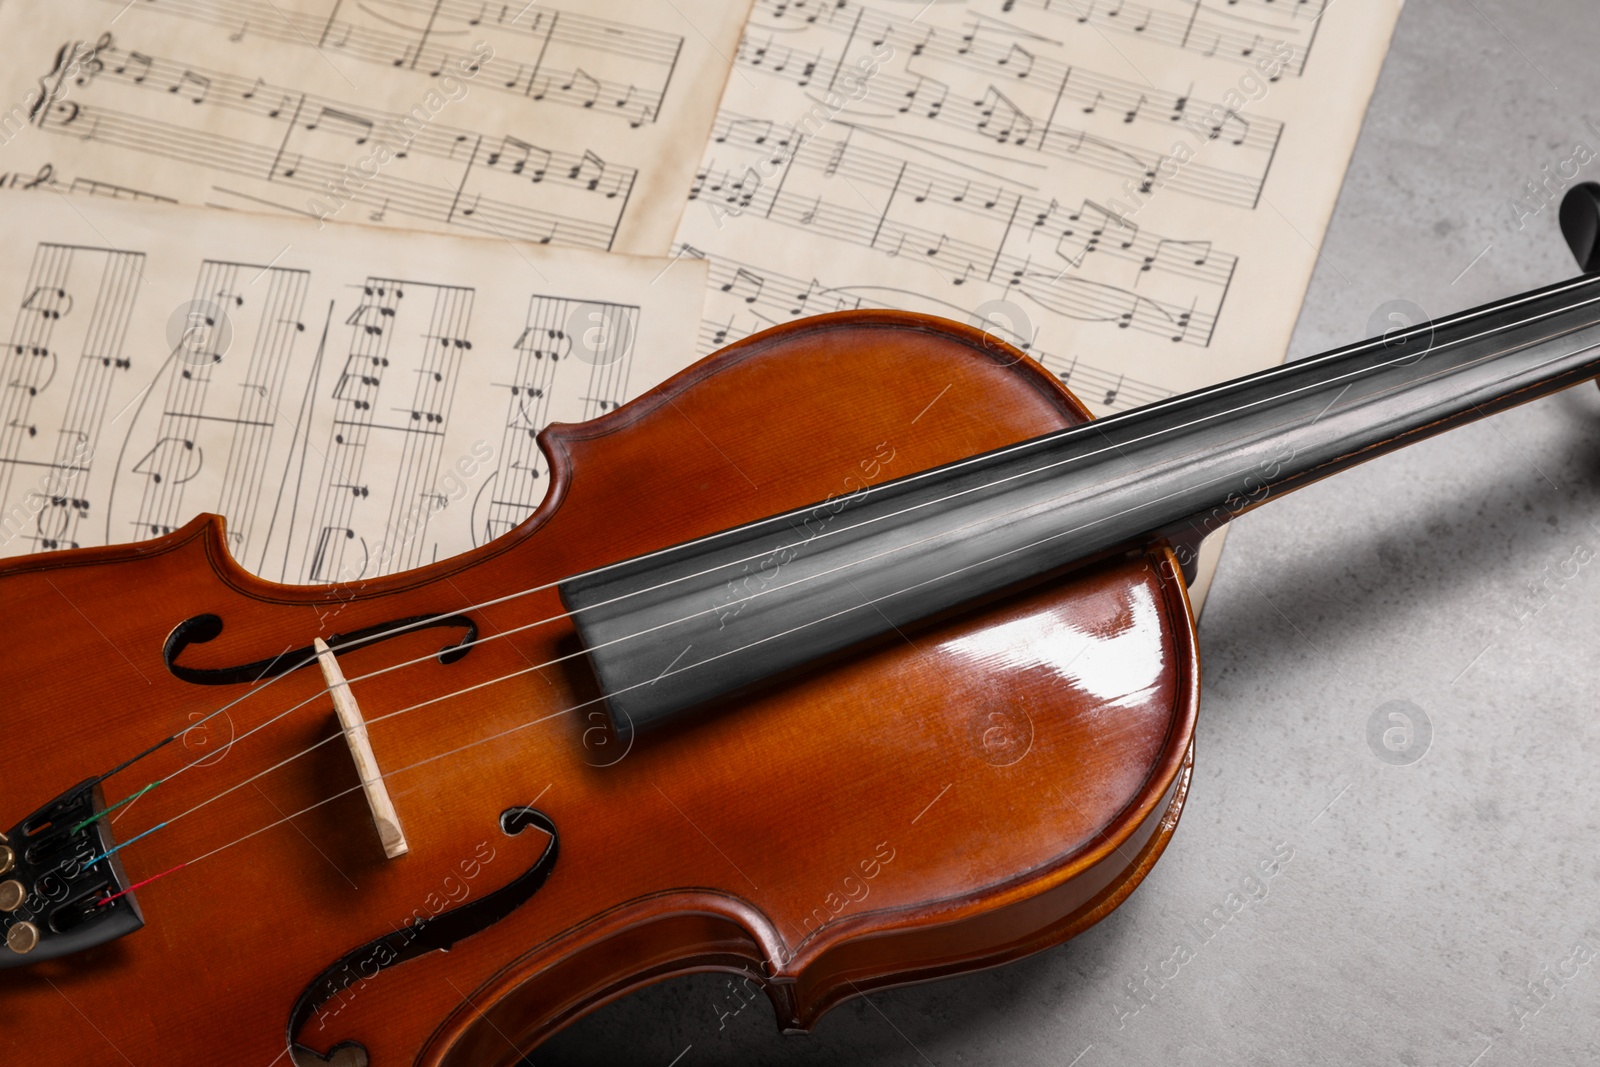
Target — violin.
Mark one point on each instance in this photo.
(887, 671)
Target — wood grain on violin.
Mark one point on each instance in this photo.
(971, 790)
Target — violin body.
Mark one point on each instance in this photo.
(984, 786)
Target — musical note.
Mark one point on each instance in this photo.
(743, 131)
(50, 303)
(342, 124)
(135, 61)
(1018, 60)
(804, 298)
(1001, 119)
(745, 285)
(523, 158)
(587, 87)
(1196, 252)
(193, 86)
(1093, 221)
(285, 102)
(926, 95)
(371, 320)
(1237, 132)
(836, 157)
(589, 170)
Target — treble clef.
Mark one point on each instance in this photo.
(19, 180)
(46, 176)
(90, 64)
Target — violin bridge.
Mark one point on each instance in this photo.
(355, 735)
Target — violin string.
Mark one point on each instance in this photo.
(514, 729)
(129, 799)
(1416, 331)
(587, 650)
(501, 735)
(527, 626)
(259, 686)
(346, 792)
(571, 655)
(866, 603)
(514, 674)
(427, 620)
(102, 902)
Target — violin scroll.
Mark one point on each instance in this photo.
(1580, 224)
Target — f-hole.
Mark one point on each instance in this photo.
(420, 938)
(202, 629)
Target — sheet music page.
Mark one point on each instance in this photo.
(353, 401)
(574, 124)
(1132, 191)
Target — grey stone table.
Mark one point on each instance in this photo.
(1440, 911)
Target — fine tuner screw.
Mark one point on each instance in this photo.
(8, 859)
(12, 894)
(22, 938)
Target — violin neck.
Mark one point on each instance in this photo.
(676, 628)
(1266, 434)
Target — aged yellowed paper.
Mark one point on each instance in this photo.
(573, 125)
(353, 401)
